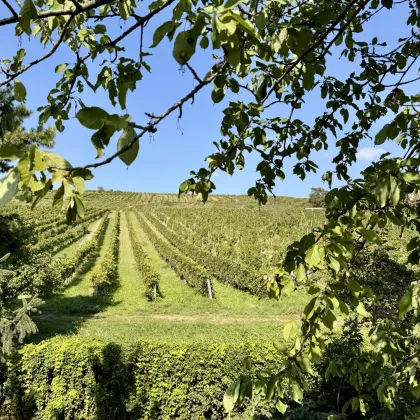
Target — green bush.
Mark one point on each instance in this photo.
(74, 379)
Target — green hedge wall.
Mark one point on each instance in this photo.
(73, 379)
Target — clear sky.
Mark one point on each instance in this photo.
(179, 146)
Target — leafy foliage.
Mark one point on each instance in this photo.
(279, 55)
(88, 380)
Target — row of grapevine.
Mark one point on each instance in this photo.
(44, 275)
(58, 224)
(192, 273)
(69, 266)
(222, 268)
(105, 273)
(144, 264)
(68, 236)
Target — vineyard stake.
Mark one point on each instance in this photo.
(209, 289)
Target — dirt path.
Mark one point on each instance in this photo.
(206, 318)
(92, 230)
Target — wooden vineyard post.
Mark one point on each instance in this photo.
(95, 288)
(154, 290)
(209, 289)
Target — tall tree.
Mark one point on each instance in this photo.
(279, 54)
(12, 131)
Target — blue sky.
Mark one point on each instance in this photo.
(179, 146)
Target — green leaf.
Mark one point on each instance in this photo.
(10, 152)
(281, 407)
(160, 32)
(60, 68)
(280, 347)
(297, 392)
(184, 47)
(310, 308)
(92, 117)
(27, 12)
(290, 330)
(405, 304)
(411, 176)
(8, 187)
(329, 319)
(245, 24)
(382, 135)
(387, 3)
(381, 191)
(126, 138)
(361, 310)
(369, 235)
(86, 174)
(79, 184)
(19, 91)
(230, 4)
(52, 159)
(229, 398)
(312, 256)
(204, 43)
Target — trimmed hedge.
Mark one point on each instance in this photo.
(74, 379)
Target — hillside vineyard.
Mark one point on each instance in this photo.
(153, 304)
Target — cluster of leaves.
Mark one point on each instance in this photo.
(105, 273)
(354, 213)
(194, 274)
(144, 264)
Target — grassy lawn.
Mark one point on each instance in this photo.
(181, 315)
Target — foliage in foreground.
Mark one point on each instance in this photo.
(278, 53)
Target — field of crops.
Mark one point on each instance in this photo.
(147, 286)
(150, 267)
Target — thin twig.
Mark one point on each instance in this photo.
(196, 76)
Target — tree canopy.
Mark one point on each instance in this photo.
(278, 54)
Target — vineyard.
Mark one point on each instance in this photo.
(146, 266)
(149, 269)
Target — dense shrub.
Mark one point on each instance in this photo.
(75, 379)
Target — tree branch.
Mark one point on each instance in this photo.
(156, 119)
(44, 57)
(60, 12)
(317, 43)
(8, 5)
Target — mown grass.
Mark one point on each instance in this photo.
(181, 315)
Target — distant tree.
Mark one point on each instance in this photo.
(101, 189)
(12, 131)
(317, 197)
